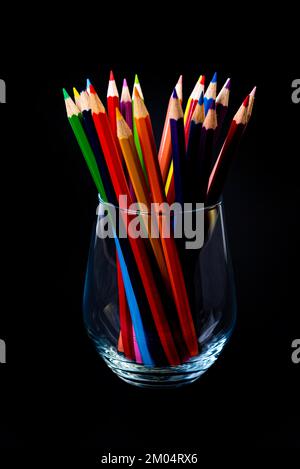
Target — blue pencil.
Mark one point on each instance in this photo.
(178, 145)
(211, 93)
(193, 149)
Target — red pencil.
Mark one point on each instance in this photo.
(220, 170)
(114, 163)
(112, 102)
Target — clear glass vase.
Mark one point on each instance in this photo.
(131, 345)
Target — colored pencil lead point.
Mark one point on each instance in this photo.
(246, 101)
(136, 80)
(136, 93)
(88, 83)
(228, 83)
(111, 76)
(174, 94)
(66, 95)
(125, 83)
(118, 115)
(75, 92)
(202, 81)
(214, 78)
(253, 92)
(201, 99)
(92, 89)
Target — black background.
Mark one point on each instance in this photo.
(55, 391)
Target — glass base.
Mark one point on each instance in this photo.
(161, 377)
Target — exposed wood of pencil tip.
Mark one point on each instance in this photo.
(178, 88)
(210, 121)
(223, 96)
(140, 110)
(125, 95)
(175, 111)
(251, 103)
(95, 102)
(84, 101)
(123, 129)
(241, 115)
(72, 109)
(198, 114)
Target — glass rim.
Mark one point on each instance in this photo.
(206, 208)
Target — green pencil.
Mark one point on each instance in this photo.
(75, 120)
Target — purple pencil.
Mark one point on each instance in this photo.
(125, 104)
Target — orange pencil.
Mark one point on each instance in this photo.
(143, 124)
(139, 184)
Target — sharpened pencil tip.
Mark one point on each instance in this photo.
(136, 93)
(174, 94)
(201, 99)
(111, 76)
(252, 94)
(214, 78)
(246, 101)
(228, 83)
(66, 96)
(92, 89)
(118, 115)
(88, 83)
(136, 80)
(180, 80)
(125, 83)
(202, 81)
(75, 92)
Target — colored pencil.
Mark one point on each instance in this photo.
(211, 93)
(140, 187)
(126, 104)
(141, 117)
(189, 110)
(112, 102)
(74, 117)
(221, 168)
(114, 164)
(193, 100)
(125, 317)
(88, 124)
(191, 97)
(76, 97)
(193, 149)
(141, 190)
(178, 146)
(73, 114)
(165, 148)
(179, 90)
(204, 157)
(137, 86)
(222, 101)
(251, 103)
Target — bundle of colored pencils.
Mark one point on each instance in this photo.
(157, 324)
